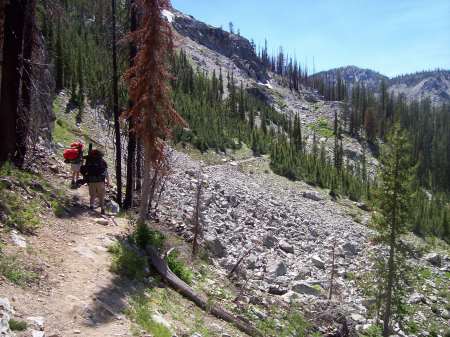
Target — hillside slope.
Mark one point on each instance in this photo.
(434, 84)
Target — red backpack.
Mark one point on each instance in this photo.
(71, 154)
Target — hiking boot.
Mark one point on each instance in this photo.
(102, 212)
(73, 184)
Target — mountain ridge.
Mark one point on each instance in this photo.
(432, 84)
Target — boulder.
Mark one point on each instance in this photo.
(305, 288)
(350, 249)
(277, 290)
(276, 268)
(5, 316)
(312, 195)
(215, 246)
(318, 262)
(113, 207)
(433, 258)
(363, 206)
(286, 247)
(270, 241)
(18, 239)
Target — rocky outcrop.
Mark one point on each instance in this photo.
(5, 316)
(232, 46)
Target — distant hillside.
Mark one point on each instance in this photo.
(426, 84)
(351, 74)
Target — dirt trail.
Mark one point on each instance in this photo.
(77, 294)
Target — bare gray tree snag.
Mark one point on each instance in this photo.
(239, 261)
(333, 266)
(196, 216)
(164, 271)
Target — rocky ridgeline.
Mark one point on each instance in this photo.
(285, 234)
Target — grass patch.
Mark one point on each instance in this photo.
(16, 325)
(126, 262)
(179, 267)
(13, 269)
(322, 127)
(140, 311)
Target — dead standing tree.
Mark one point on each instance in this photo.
(196, 223)
(152, 110)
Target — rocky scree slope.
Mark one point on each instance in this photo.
(285, 233)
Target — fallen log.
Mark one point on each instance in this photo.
(163, 269)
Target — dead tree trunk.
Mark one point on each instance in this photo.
(138, 165)
(23, 120)
(162, 268)
(116, 108)
(11, 76)
(333, 266)
(196, 215)
(131, 148)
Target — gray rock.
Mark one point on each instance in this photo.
(270, 241)
(5, 315)
(416, 298)
(103, 222)
(277, 290)
(363, 206)
(37, 322)
(276, 268)
(18, 239)
(312, 195)
(350, 249)
(36, 333)
(318, 262)
(113, 207)
(215, 246)
(433, 258)
(288, 248)
(305, 288)
(303, 273)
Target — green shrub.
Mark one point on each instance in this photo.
(178, 267)
(144, 236)
(15, 325)
(126, 262)
(14, 271)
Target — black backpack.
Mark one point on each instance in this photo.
(94, 168)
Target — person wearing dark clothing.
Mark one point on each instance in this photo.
(95, 172)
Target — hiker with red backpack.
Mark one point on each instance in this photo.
(74, 156)
(95, 173)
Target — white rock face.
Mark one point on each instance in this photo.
(18, 239)
(5, 315)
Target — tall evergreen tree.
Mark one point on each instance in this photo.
(393, 201)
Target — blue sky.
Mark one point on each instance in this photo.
(390, 36)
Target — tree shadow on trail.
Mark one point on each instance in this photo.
(109, 303)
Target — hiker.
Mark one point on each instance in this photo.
(95, 172)
(74, 156)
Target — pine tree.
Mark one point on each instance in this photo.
(393, 201)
